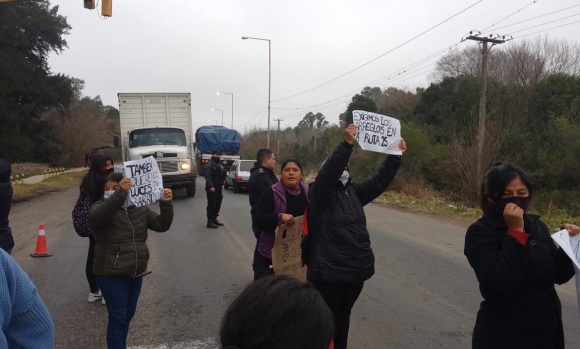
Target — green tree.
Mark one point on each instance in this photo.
(358, 102)
(311, 121)
(30, 30)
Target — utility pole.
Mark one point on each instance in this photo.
(278, 135)
(493, 39)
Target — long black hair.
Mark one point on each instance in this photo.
(92, 183)
(497, 179)
(278, 312)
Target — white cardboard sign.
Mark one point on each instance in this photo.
(147, 183)
(376, 132)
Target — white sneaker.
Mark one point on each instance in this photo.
(93, 297)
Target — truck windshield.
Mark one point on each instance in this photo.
(156, 136)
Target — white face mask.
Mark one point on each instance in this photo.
(344, 177)
(108, 194)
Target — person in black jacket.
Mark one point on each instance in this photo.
(279, 204)
(6, 192)
(214, 182)
(262, 177)
(340, 257)
(516, 263)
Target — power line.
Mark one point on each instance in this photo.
(255, 116)
(542, 24)
(531, 19)
(533, 2)
(545, 30)
(380, 56)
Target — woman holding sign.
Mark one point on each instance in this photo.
(517, 264)
(121, 254)
(279, 204)
(339, 257)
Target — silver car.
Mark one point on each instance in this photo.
(238, 175)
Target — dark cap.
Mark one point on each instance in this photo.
(216, 152)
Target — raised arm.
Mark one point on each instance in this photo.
(161, 222)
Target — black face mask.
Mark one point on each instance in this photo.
(215, 159)
(111, 170)
(522, 202)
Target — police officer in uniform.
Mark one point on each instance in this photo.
(262, 177)
(214, 174)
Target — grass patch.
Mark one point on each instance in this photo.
(433, 202)
(28, 168)
(52, 184)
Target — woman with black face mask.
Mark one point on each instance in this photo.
(517, 264)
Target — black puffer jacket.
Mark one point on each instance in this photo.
(6, 240)
(340, 251)
(521, 309)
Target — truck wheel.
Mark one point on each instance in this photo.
(236, 187)
(190, 190)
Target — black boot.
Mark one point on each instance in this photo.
(211, 224)
(216, 222)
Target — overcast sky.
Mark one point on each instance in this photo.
(196, 47)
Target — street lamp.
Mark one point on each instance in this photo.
(212, 120)
(214, 109)
(269, 81)
(229, 93)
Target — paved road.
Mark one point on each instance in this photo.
(424, 294)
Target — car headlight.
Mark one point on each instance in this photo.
(184, 166)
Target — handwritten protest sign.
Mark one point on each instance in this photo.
(147, 183)
(570, 245)
(287, 250)
(376, 132)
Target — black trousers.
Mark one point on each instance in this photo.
(340, 299)
(91, 278)
(214, 202)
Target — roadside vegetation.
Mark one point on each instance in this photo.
(60, 182)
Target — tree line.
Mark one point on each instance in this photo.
(44, 116)
(533, 120)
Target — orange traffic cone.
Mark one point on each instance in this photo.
(41, 249)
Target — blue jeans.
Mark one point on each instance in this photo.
(121, 294)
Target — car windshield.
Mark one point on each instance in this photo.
(156, 136)
(246, 166)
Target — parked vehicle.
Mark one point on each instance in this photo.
(211, 138)
(160, 125)
(238, 175)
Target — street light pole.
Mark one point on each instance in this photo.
(229, 93)
(214, 109)
(269, 81)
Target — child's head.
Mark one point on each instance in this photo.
(280, 312)
(112, 181)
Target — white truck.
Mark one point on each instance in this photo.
(160, 125)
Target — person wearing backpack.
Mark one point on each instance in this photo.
(340, 258)
(91, 191)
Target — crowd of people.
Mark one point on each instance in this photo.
(515, 260)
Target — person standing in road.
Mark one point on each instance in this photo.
(262, 177)
(279, 204)
(214, 182)
(517, 264)
(340, 258)
(121, 252)
(92, 187)
(6, 192)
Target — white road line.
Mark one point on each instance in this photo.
(208, 343)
